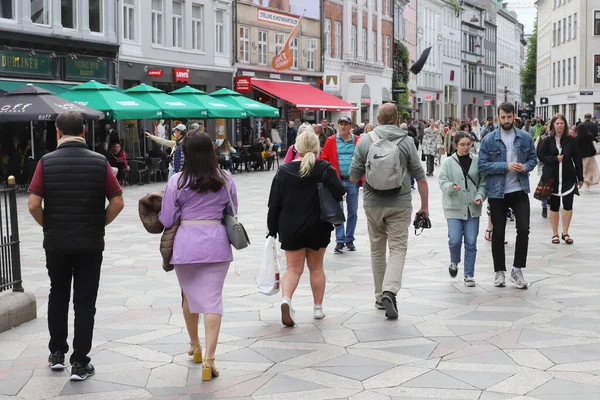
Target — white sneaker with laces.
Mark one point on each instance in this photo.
(500, 280)
(318, 312)
(516, 277)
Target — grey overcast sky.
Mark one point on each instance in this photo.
(526, 12)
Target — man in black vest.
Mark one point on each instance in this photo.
(74, 183)
(587, 127)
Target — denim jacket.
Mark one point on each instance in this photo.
(492, 161)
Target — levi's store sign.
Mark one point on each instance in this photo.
(181, 75)
(155, 72)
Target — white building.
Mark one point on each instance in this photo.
(430, 82)
(451, 56)
(568, 68)
(473, 25)
(359, 53)
(509, 61)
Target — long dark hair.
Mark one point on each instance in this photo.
(554, 119)
(201, 169)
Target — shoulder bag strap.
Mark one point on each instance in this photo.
(229, 194)
(465, 173)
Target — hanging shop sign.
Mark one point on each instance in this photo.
(487, 102)
(25, 63)
(243, 84)
(86, 68)
(181, 75)
(331, 83)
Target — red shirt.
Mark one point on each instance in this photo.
(111, 185)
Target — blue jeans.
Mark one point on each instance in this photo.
(457, 229)
(346, 236)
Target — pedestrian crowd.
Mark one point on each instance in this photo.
(325, 169)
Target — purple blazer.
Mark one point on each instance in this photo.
(197, 243)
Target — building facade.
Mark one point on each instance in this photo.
(358, 40)
(568, 69)
(451, 62)
(409, 39)
(489, 68)
(58, 42)
(473, 35)
(430, 81)
(510, 58)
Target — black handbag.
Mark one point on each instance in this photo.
(331, 210)
(422, 156)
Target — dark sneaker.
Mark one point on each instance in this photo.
(80, 372)
(379, 305)
(350, 246)
(544, 213)
(453, 270)
(338, 248)
(57, 361)
(391, 307)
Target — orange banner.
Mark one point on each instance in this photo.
(284, 59)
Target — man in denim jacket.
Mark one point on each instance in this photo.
(506, 156)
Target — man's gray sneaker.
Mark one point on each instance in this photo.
(499, 280)
(469, 282)
(516, 277)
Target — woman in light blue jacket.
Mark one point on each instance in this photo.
(463, 188)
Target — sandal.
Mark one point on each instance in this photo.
(208, 369)
(556, 239)
(195, 352)
(567, 238)
(488, 235)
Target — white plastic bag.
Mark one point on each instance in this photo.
(268, 276)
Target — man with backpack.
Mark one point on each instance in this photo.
(387, 157)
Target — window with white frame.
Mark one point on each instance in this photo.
(364, 43)
(178, 34)
(220, 34)
(570, 27)
(96, 13)
(244, 37)
(263, 44)
(158, 22)
(129, 24)
(198, 27)
(327, 37)
(375, 45)
(68, 14)
(7, 9)
(312, 50)
(558, 36)
(564, 72)
(596, 22)
(574, 70)
(40, 12)
(575, 26)
(338, 39)
(387, 9)
(353, 43)
(554, 34)
(294, 49)
(569, 72)
(388, 51)
(279, 42)
(564, 30)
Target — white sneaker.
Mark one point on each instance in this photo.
(516, 277)
(287, 314)
(500, 280)
(469, 281)
(318, 312)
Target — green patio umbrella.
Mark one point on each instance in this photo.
(253, 108)
(172, 107)
(214, 107)
(117, 105)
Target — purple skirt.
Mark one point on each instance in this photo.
(202, 285)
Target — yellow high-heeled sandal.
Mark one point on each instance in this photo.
(209, 372)
(195, 352)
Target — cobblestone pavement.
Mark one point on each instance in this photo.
(450, 342)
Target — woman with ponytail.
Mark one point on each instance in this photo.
(294, 215)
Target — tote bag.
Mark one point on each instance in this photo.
(269, 274)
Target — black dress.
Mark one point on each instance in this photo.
(294, 212)
(572, 167)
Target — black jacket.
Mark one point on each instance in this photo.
(587, 133)
(590, 126)
(572, 167)
(74, 198)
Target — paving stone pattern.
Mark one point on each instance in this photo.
(450, 342)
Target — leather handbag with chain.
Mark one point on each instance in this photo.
(238, 237)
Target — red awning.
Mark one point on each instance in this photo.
(303, 96)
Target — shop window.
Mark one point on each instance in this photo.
(7, 9)
(262, 47)
(40, 12)
(158, 22)
(198, 27)
(178, 24)
(220, 44)
(96, 12)
(68, 14)
(129, 26)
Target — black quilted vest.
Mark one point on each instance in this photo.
(74, 198)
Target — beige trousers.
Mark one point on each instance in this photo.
(388, 226)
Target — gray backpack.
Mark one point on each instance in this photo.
(383, 170)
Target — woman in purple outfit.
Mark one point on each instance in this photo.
(197, 197)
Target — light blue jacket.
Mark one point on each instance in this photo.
(492, 161)
(459, 204)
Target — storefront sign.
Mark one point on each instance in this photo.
(275, 76)
(365, 100)
(276, 18)
(597, 69)
(249, 73)
(399, 90)
(243, 84)
(357, 79)
(586, 93)
(428, 97)
(155, 72)
(332, 83)
(487, 102)
(23, 63)
(181, 75)
(297, 78)
(543, 100)
(84, 69)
